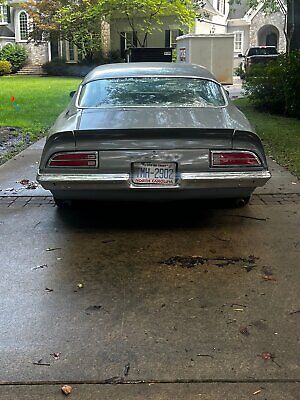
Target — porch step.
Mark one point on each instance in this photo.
(32, 70)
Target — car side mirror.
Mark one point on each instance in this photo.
(227, 91)
(240, 55)
(72, 93)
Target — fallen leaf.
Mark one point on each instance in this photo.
(257, 392)
(56, 356)
(24, 182)
(80, 285)
(49, 290)
(269, 278)
(126, 369)
(93, 308)
(66, 389)
(39, 267)
(244, 331)
(41, 363)
(265, 355)
(53, 248)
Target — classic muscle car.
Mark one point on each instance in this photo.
(146, 131)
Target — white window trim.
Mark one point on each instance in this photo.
(17, 24)
(223, 9)
(2, 22)
(241, 50)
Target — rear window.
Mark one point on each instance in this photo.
(262, 51)
(151, 91)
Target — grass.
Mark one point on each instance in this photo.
(280, 135)
(38, 101)
(32, 104)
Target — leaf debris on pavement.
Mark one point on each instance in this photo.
(244, 330)
(90, 309)
(67, 389)
(56, 356)
(269, 278)
(53, 248)
(28, 184)
(256, 392)
(49, 290)
(42, 266)
(126, 369)
(265, 355)
(221, 261)
(41, 363)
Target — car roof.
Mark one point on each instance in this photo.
(123, 70)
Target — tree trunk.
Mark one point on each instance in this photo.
(294, 23)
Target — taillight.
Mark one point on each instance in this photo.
(74, 159)
(234, 158)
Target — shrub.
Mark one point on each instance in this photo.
(275, 87)
(5, 67)
(15, 54)
(59, 66)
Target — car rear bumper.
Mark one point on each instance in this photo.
(104, 183)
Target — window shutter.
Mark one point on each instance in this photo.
(167, 38)
(122, 43)
(8, 15)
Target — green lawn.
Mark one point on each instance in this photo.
(38, 101)
(281, 136)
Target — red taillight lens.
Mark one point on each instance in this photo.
(234, 158)
(74, 159)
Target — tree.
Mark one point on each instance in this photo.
(145, 16)
(76, 21)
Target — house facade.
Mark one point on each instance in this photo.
(14, 28)
(251, 27)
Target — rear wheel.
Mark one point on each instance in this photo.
(241, 201)
(61, 203)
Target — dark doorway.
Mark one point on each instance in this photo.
(271, 39)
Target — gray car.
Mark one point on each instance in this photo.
(147, 131)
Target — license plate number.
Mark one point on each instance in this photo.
(154, 174)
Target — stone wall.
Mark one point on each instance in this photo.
(262, 19)
(37, 54)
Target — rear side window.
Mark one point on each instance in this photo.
(262, 51)
(152, 91)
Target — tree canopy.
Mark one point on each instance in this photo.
(80, 21)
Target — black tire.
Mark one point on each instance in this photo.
(61, 203)
(241, 201)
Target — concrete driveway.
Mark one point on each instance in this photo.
(181, 301)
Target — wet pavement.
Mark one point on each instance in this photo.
(90, 297)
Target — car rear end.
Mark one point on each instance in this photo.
(147, 138)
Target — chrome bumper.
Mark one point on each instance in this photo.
(200, 180)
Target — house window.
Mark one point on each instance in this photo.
(127, 40)
(4, 14)
(171, 36)
(238, 41)
(221, 6)
(71, 52)
(23, 25)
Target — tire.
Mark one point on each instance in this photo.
(61, 203)
(241, 201)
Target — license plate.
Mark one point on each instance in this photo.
(154, 174)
